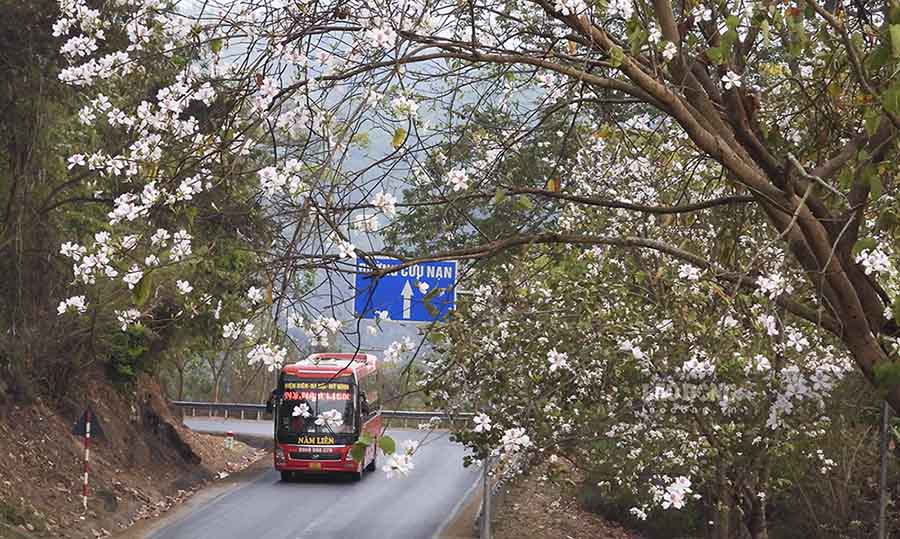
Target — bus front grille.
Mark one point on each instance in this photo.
(314, 456)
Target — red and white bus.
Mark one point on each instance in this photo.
(320, 408)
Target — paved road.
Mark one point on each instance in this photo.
(263, 507)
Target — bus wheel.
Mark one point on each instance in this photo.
(358, 474)
(371, 466)
(287, 476)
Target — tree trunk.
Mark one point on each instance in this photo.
(181, 384)
(215, 386)
(756, 520)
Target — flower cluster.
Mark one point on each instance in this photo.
(272, 357)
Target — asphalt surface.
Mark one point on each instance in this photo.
(263, 507)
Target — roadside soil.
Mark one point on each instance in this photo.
(542, 504)
(145, 464)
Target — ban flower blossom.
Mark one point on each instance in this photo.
(558, 360)
(731, 80)
(302, 410)
(482, 423)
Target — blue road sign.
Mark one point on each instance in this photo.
(406, 294)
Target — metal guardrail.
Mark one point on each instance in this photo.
(235, 410)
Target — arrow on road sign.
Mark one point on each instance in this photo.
(407, 299)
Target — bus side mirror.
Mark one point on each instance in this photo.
(270, 404)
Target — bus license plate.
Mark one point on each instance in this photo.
(315, 465)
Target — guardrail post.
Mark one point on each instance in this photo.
(258, 414)
(193, 412)
(226, 413)
(242, 414)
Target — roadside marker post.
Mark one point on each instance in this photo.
(87, 459)
(87, 426)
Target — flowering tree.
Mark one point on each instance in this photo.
(783, 115)
(670, 392)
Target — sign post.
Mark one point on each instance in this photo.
(423, 292)
(83, 427)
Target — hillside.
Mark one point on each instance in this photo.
(145, 462)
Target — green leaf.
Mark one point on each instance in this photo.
(895, 40)
(891, 99)
(715, 54)
(863, 244)
(387, 445)
(524, 202)
(875, 186)
(732, 22)
(366, 439)
(887, 375)
(358, 452)
(871, 120)
(616, 55)
(141, 290)
(399, 138)
(499, 196)
(215, 45)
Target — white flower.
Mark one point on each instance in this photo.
(515, 439)
(404, 106)
(423, 287)
(386, 203)
(77, 303)
(273, 357)
(332, 419)
(346, 249)
(133, 277)
(128, 317)
(395, 351)
(398, 465)
(669, 52)
(731, 80)
(558, 360)
(689, 272)
(482, 423)
(702, 12)
(620, 8)
(676, 493)
(184, 287)
(638, 513)
(408, 447)
(458, 179)
(796, 340)
(570, 7)
(255, 295)
(773, 285)
(160, 237)
(381, 36)
(769, 323)
(151, 260)
(874, 261)
(72, 250)
(301, 411)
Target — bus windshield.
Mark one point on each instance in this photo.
(316, 407)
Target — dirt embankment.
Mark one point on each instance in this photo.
(144, 464)
(543, 504)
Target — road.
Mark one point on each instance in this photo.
(263, 507)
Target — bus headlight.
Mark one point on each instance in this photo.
(279, 455)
